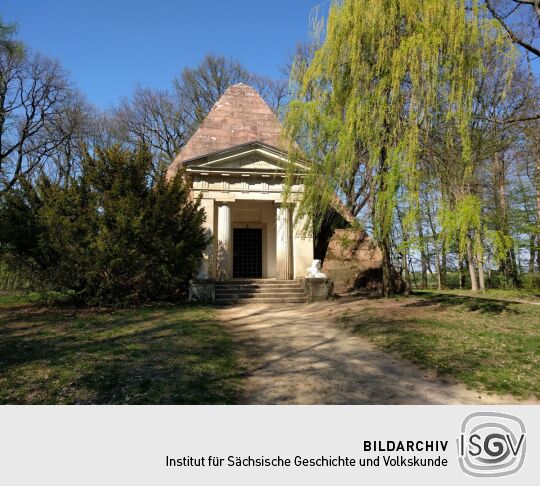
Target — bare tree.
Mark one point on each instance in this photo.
(274, 91)
(520, 19)
(155, 118)
(202, 86)
(75, 128)
(34, 94)
(164, 120)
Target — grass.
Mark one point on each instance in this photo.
(498, 294)
(490, 345)
(165, 355)
(13, 299)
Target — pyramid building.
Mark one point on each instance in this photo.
(236, 161)
(239, 117)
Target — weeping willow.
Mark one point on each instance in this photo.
(385, 74)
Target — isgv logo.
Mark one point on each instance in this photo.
(491, 444)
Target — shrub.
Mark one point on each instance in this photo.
(110, 236)
(531, 282)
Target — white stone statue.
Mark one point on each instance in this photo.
(315, 270)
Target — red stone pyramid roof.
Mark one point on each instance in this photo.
(240, 116)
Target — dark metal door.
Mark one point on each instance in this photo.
(247, 254)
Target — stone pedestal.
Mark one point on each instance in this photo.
(318, 289)
(224, 243)
(284, 262)
(203, 291)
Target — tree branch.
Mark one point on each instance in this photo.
(510, 32)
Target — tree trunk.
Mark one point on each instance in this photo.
(472, 269)
(537, 183)
(514, 269)
(481, 277)
(388, 281)
(508, 265)
(438, 268)
(389, 287)
(423, 256)
(462, 277)
(404, 259)
(443, 264)
(480, 263)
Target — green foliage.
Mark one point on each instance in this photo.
(7, 31)
(11, 280)
(387, 74)
(110, 236)
(462, 219)
(531, 282)
(502, 243)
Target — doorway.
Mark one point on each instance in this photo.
(247, 253)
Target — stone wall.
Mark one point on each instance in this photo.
(353, 261)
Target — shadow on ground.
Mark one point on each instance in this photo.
(471, 304)
(296, 354)
(160, 355)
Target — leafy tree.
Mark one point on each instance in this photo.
(385, 74)
(109, 236)
(7, 42)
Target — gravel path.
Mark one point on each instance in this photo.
(298, 354)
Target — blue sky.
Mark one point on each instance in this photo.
(109, 46)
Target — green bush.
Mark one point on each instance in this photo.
(111, 236)
(531, 282)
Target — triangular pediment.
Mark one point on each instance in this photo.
(249, 162)
(255, 157)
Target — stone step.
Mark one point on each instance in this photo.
(249, 288)
(259, 283)
(299, 295)
(262, 300)
(257, 280)
(258, 290)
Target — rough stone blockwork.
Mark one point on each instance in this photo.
(240, 116)
(353, 261)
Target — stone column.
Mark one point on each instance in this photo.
(283, 243)
(224, 241)
(302, 243)
(206, 265)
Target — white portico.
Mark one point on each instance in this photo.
(242, 194)
(237, 168)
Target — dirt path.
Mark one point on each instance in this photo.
(297, 354)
